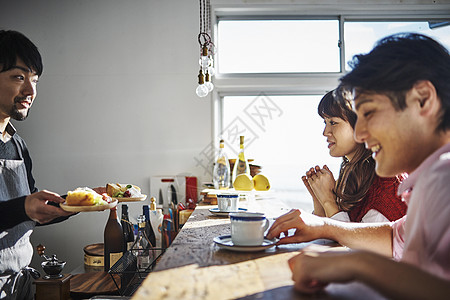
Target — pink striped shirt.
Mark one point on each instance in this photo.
(422, 237)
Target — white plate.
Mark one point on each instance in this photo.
(74, 208)
(130, 199)
(225, 242)
(217, 212)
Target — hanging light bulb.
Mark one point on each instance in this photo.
(204, 60)
(208, 82)
(211, 69)
(202, 89)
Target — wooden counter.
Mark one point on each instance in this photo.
(194, 267)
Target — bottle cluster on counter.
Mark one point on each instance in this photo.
(226, 171)
(147, 239)
(245, 176)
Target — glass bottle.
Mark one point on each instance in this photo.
(143, 259)
(221, 172)
(148, 226)
(156, 219)
(113, 240)
(127, 228)
(241, 165)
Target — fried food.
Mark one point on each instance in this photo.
(85, 196)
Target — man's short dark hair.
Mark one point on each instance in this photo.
(15, 45)
(398, 62)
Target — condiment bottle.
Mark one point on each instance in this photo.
(241, 165)
(156, 219)
(221, 172)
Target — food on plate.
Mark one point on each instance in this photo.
(84, 196)
(261, 182)
(243, 182)
(119, 190)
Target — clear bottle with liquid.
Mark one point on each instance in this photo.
(142, 245)
(113, 240)
(241, 165)
(221, 172)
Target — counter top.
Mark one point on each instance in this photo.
(194, 267)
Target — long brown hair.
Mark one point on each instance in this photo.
(355, 176)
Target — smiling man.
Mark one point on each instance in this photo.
(401, 94)
(22, 206)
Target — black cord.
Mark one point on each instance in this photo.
(204, 38)
(208, 16)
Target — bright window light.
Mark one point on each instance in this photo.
(283, 135)
(360, 37)
(278, 46)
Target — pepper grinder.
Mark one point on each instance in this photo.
(52, 266)
(53, 286)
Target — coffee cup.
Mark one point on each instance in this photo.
(227, 202)
(247, 228)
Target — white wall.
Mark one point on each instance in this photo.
(116, 101)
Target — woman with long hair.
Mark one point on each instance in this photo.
(358, 195)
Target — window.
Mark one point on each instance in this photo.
(360, 37)
(283, 45)
(272, 73)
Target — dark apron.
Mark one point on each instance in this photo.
(16, 250)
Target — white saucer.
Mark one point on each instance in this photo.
(217, 212)
(225, 242)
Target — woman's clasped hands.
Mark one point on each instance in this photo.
(320, 183)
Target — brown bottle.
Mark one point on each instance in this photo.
(113, 240)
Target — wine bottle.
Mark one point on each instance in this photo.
(221, 172)
(148, 226)
(241, 165)
(127, 227)
(113, 240)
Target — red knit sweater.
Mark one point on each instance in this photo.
(381, 196)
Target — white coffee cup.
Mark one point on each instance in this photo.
(247, 228)
(227, 202)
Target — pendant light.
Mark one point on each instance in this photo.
(206, 51)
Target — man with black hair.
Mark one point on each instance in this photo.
(22, 206)
(401, 95)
